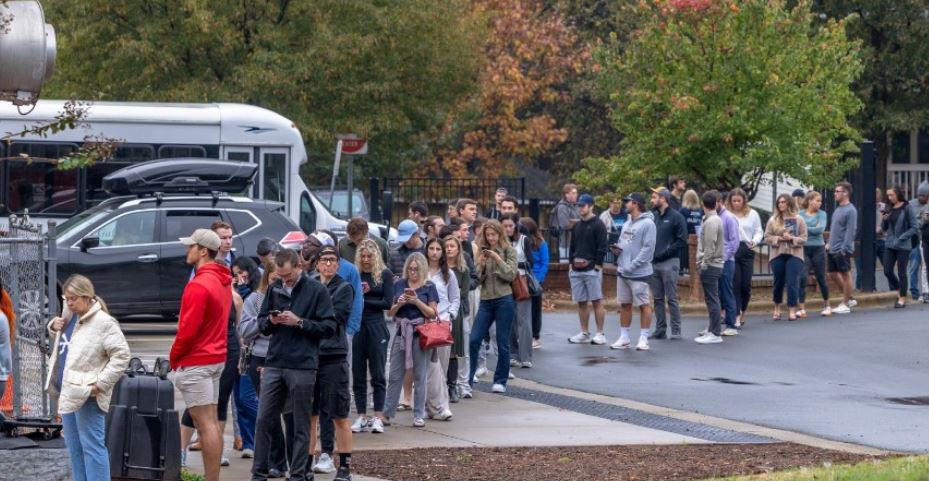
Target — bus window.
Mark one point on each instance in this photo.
(124, 156)
(175, 151)
(307, 214)
(40, 187)
(275, 177)
(41, 150)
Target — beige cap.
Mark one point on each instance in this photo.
(204, 238)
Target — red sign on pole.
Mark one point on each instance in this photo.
(354, 146)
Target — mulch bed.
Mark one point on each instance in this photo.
(606, 463)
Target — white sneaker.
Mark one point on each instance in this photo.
(703, 332)
(248, 453)
(527, 364)
(841, 309)
(580, 338)
(224, 461)
(324, 465)
(445, 415)
(536, 344)
(852, 303)
(642, 345)
(465, 392)
(709, 338)
(480, 372)
(510, 375)
(419, 422)
(360, 424)
(499, 388)
(599, 339)
(730, 332)
(621, 343)
(514, 363)
(377, 426)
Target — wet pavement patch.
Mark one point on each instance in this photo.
(910, 401)
(726, 380)
(595, 360)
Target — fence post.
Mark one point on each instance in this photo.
(696, 289)
(376, 214)
(868, 216)
(52, 263)
(534, 210)
(388, 208)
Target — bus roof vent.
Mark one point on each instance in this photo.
(188, 176)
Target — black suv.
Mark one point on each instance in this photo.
(129, 245)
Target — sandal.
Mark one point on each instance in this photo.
(826, 312)
(776, 317)
(801, 314)
(899, 305)
(792, 318)
(403, 407)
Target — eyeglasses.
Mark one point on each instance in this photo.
(839, 191)
(412, 269)
(328, 260)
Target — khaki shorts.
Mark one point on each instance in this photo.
(630, 291)
(198, 385)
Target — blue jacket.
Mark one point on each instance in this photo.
(540, 262)
(349, 273)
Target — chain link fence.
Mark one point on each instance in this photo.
(28, 271)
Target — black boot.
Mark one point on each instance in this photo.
(453, 395)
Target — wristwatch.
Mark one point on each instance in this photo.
(300, 323)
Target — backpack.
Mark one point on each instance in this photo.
(553, 221)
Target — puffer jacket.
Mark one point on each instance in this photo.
(98, 354)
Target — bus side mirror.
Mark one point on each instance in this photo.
(89, 243)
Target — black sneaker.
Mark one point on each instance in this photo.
(343, 474)
(453, 395)
(658, 335)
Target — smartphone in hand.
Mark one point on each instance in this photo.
(274, 312)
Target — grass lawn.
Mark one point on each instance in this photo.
(913, 468)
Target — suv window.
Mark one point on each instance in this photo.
(241, 221)
(130, 229)
(181, 223)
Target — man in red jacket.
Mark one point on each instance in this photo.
(199, 350)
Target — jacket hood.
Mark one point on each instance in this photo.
(221, 273)
(645, 215)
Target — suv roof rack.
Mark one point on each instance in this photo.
(181, 176)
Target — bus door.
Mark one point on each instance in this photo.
(274, 174)
(242, 154)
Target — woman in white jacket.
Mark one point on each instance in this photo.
(437, 399)
(89, 357)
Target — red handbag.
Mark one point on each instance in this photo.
(434, 334)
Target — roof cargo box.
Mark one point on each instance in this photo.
(194, 175)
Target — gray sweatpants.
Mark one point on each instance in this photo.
(395, 378)
(521, 335)
(664, 288)
(464, 362)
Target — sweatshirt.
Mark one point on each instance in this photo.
(731, 234)
(335, 348)
(710, 242)
(201, 326)
(670, 234)
(637, 241)
(295, 347)
(588, 241)
(842, 230)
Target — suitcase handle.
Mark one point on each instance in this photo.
(135, 367)
(128, 466)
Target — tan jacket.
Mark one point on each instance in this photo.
(495, 277)
(97, 354)
(779, 246)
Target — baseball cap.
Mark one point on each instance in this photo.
(328, 250)
(662, 191)
(406, 229)
(585, 199)
(204, 238)
(798, 193)
(502, 190)
(323, 238)
(635, 197)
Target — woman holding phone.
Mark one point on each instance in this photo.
(369, 346)
(415, 300)
(900, 227)
(786, 234)
(496, 268)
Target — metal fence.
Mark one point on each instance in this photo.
(438, 192)
(27, 268)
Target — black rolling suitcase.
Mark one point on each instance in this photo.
(142, 429)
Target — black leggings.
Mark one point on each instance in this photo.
(226, 383)
(742, 282)
(900, 259)
(536, 317)
(814, 257)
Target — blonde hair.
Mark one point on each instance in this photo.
(691, 200)
(378, 264)
(494, 224)
(805, 203)
(460, 260)
(269, 268)
(738, 192)
(777, 216)
(81, 286)
(420, 261)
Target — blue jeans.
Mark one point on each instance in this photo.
(246, 404)
(84, 436)
(787, 269)
(726, 294)
(913, 271)
(501, 311)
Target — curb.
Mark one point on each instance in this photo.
(721, 423)
(865, 300)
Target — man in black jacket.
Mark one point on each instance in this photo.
(296, 313)
(586, 253)
(332, 398)
(670, 240)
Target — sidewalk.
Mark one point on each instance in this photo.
(487, 420)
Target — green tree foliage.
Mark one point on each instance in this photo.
(722, 93)
(895, 82)
(386, 70)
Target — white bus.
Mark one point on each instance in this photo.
(152, 131)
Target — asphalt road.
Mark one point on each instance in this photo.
(829, 377)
